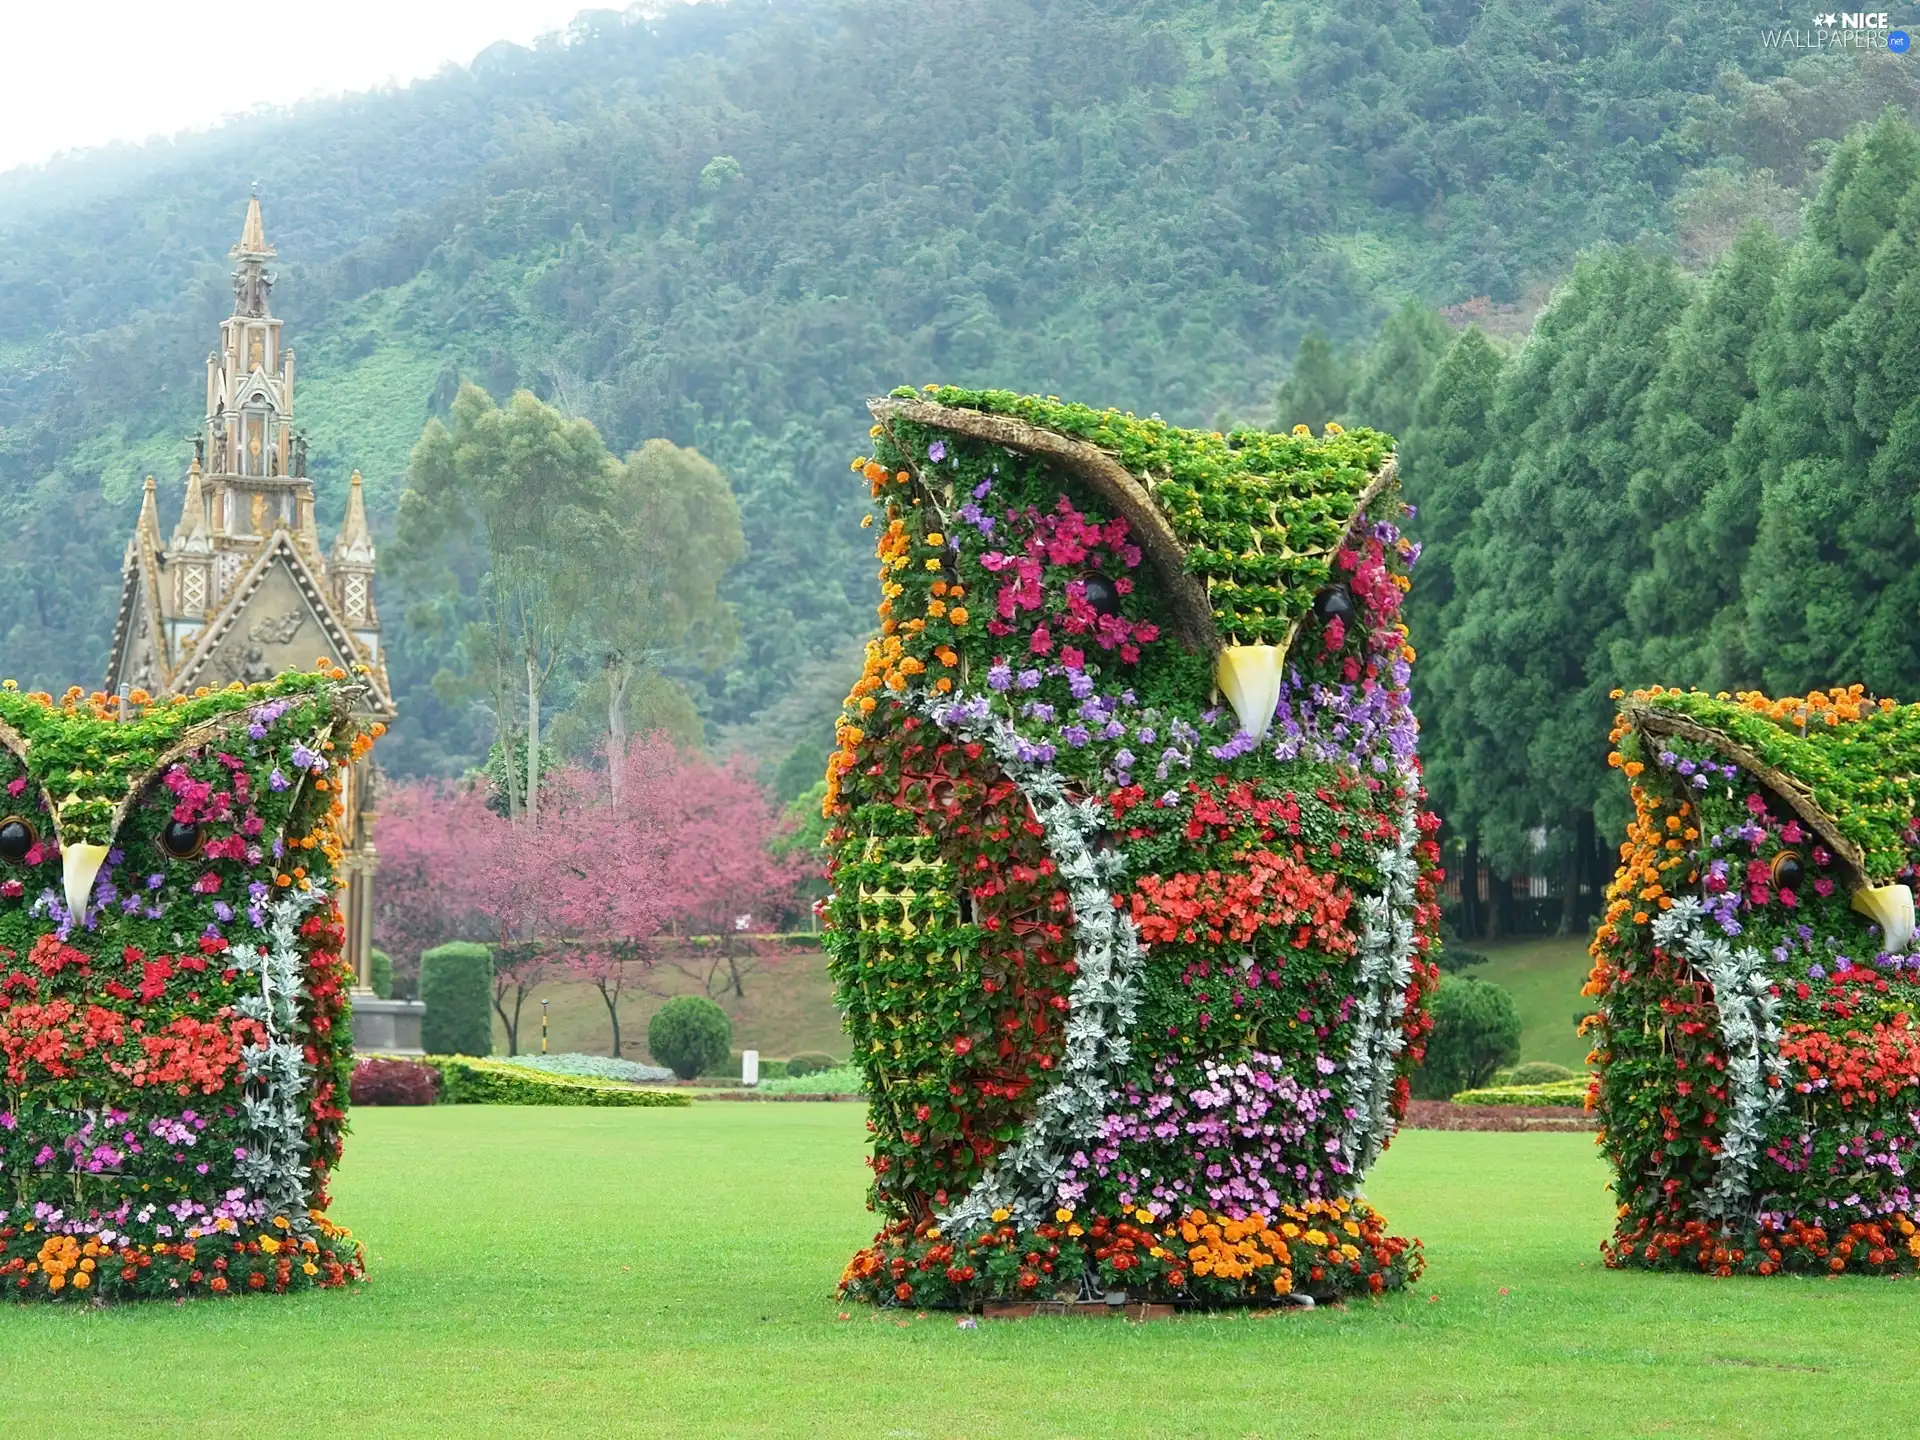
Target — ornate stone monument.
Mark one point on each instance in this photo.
(243, 592)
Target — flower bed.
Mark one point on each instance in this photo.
(1105, 944)
(1324, 1249)
(172, 998)
(1755, 982)
(595, 1067)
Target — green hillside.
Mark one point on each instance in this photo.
(730, 224)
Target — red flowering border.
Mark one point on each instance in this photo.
(1328, 1250)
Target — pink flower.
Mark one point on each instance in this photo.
(1072, 658)
(1042, 642)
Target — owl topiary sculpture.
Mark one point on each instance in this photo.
(1757, 985)
(1132, 885)
(173, 1005)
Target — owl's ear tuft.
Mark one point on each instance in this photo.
(80, 862)
(1249, 677)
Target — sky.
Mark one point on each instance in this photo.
(80, 73)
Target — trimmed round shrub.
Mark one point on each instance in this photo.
(1539, 1072)
(456, 984)
(689, 1034)
(808, 1062)
(380, 974)
(1476, 1030)
(393, 1082)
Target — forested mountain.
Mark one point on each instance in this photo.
(730, 223)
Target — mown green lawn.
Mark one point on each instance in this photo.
(669, 1273)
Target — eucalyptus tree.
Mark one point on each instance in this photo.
(673, 534)
(535, 490)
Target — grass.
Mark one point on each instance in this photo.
(669, 1273)
(787, 1008)
(1544, 975)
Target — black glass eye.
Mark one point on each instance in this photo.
(1336, 603)
(1788, 872)
(17, 837)
(1102, 594)
(181, 839)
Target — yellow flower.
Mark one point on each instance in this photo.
(933, 565)
(1063, 1215)
(1001, 1215)
(958, 615)
(1302, 430)
(1333, 429)
(311, 1268)
(866, 522)
(1145, 1217)
(934, 537)
(933, 1232)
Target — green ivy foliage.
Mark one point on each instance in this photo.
(1258, 513)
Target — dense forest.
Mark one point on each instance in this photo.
(727, 224)
(1707, 480)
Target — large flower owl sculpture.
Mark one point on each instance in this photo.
(173, 1005)
(1757, 984)
(1133, 890)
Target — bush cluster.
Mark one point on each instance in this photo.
(690, 1035)
(456, 984)
(808, 1062)
(1476, 1030)
(393, 1082)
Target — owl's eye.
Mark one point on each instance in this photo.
(1336, 603)
(1787, 871)
(17, 837)
(1102, 594)
(181, 839)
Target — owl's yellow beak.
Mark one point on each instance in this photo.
(1249, 676)
(1891, 908)
(80, 862)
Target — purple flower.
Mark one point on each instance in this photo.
(999, 677)
(276, 780)
(1028, 680)
(304, 758)
(937, 451)
(1075, 735)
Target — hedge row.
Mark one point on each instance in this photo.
(467, 1080)
(1571, 1094)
